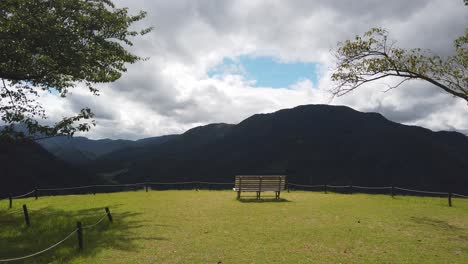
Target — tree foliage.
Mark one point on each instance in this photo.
(372, 57)
(53, 45)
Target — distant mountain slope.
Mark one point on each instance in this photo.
(313, 144)
(122, 159)
(26, 165)
(81, 150)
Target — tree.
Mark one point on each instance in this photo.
(54, 45)
(372, 57)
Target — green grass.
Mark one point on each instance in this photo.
(212, 226)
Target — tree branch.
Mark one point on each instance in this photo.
(370, 58)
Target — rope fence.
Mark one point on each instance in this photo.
(419, 191)
(459, 195)
(42, 251)
(339, 186)
(78, 230)
(95, 224)
(304, 185)
(371, 188)
(197, 183)
(90, 186)
(23, 195)
(219, 183)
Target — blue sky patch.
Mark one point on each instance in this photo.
(267, 71)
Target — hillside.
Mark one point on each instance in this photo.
(26, 165)
(312, 144)
(81, 150)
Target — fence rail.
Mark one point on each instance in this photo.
(23, 195)
(95, 224)
(419, 191)
(197, 184)
(460, 195)
(339, 186)
(77, 230)
(305, 185)
(371, 188)
(42, 251)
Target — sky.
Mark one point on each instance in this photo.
(265, 71)
(216, 61)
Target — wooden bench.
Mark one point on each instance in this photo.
(259, 184)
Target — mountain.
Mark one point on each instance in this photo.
(81, 150)
(312, 144)
(57, 161)
(26, 165)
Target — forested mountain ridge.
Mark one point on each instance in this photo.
(312, 144)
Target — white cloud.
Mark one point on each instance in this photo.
(173, 92)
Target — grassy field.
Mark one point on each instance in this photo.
(212, 226)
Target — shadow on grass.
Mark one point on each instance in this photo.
(48, 226)
(263, 200)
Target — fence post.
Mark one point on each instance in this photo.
(239, 190)
(260, 188)
(26, 215)
(325, 187)
(80, 235)
(108, 214)
(393, 192)
(11, 201)
(36, 194)
(450, 199)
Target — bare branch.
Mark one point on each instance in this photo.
(390, 87)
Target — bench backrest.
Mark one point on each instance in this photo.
(255, 183)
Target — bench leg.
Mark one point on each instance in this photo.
(238, 195)
(258, 195)
(277, 195)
